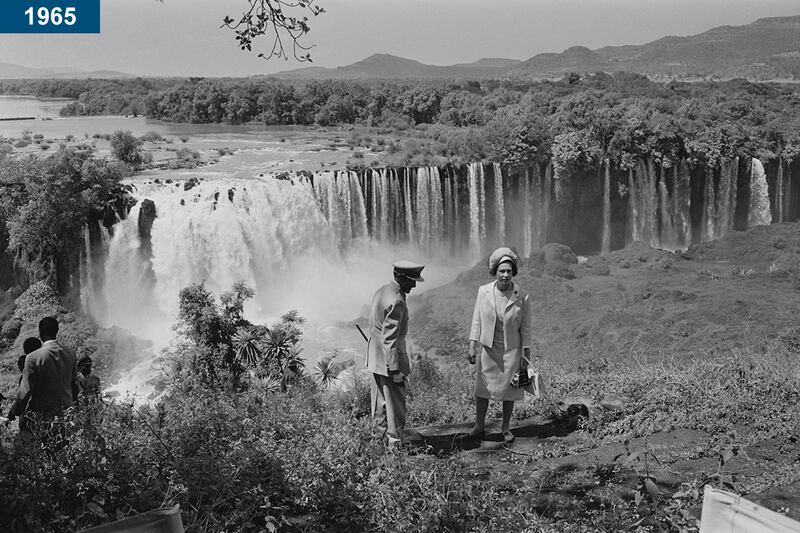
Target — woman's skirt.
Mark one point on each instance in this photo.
(496, 368)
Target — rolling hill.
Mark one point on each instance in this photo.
(12, 71)
(386, 66)
(767, 49)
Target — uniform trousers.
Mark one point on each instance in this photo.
(388, 407)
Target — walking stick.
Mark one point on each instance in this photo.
(362, 333)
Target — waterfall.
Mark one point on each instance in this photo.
(256, 236)
(759, 213)
(383, 201)
(537, 204)
(668, 236)
(787, 190)
(448, 212)
(409, 214)
(423, 202)
(726, 200)
(86, 272)
(651, 205)
(683, 198)
(500, 213)
(779, 193)
(456, 223)
(527, 211)
(547, 194)
(358, 211)
(395, 212)
(605, 247)
(477, 209)
(634, 229)
(344, 213)
(709, 207)
(436, 210)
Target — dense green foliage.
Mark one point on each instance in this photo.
(45, 204)
(623, 116)
(223, 344)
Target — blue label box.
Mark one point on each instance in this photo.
(49, 16)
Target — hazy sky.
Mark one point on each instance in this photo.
(182, 37)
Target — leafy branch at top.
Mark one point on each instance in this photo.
(275, 20)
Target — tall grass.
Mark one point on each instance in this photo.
(306, 460)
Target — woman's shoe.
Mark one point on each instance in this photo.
(508, 437)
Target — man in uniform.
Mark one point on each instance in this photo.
(387, 357)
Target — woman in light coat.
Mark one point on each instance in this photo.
(499, 340)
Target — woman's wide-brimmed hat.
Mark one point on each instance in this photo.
(501, 255)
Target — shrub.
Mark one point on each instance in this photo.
(39, 301)
(11, 328)
(152, 136)
(125, 147)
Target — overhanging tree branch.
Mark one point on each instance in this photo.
(273, 19)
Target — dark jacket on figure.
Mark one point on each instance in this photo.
(49, 381)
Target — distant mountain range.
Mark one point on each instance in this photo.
(386, 66)
(11, 71)
(767, 49)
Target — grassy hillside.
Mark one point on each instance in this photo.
(716, 297)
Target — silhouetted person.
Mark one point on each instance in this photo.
(31, 344)
(49, 378)
(88, 383)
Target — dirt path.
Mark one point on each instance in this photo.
(566, 472)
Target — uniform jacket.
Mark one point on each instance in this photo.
(388, 321)
(49, 381)
(516, 318)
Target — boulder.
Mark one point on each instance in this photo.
(613, 402)
(190, 183)
(576, 403)
(597, 265)
(554, 251)
(558, 269)
(147, 214)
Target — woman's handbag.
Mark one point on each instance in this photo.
(529, 381)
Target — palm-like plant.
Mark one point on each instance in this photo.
(326, 373)
(278, 345)
(247, 343)
(294, 364)
(273, 384)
